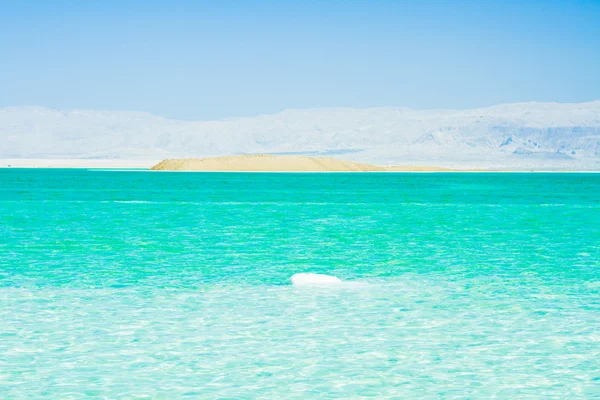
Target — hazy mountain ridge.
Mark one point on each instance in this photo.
(519, 135)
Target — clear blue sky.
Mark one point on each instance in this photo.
(208, 60)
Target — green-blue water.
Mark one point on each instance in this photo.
(160, 285)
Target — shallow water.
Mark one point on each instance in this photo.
(143, 284)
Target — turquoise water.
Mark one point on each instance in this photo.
(129, 284)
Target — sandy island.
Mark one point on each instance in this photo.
(286, 163)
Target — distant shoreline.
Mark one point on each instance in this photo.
(74, 163)
(187, 165)
(281, 163)
(296, 163)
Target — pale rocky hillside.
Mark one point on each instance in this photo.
(522, 135)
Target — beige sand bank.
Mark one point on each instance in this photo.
(287, 163)
(416, 168)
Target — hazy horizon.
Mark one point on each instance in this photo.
(518, 135)
(324, 108)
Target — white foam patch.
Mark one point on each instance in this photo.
(309, 279)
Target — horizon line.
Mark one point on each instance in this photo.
(69, 110)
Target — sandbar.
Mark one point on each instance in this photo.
(280, 163)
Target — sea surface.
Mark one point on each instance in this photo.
(140, 284)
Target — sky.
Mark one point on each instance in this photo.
(204, 60)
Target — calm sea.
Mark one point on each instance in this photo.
(138, 284)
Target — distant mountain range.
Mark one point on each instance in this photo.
(519, 135)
